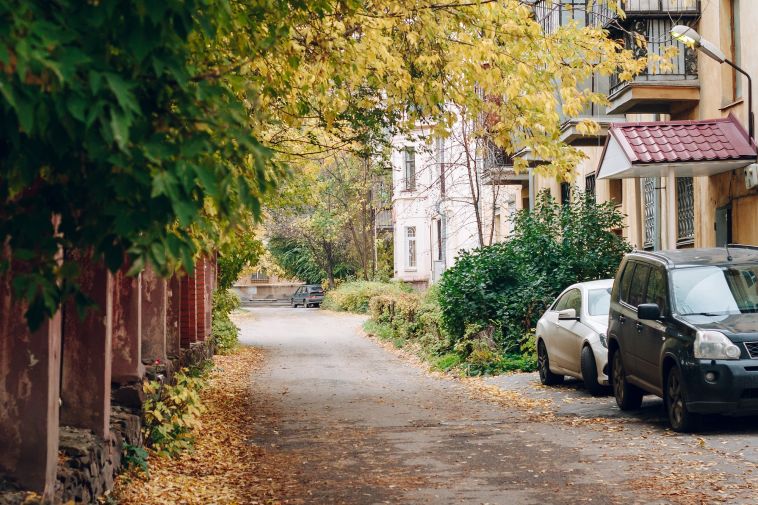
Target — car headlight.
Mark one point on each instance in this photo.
(604, 340)
(714, 345)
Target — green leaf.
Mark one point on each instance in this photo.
(120, 128)
(122, 90)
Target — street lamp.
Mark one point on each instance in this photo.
(687, 35)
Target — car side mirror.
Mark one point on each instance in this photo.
(648, 311)
(567, 315)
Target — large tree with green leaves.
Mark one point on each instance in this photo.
(146, 130)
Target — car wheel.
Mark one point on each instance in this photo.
(628, 396)
(547, 377)
(680, 418)
(589, 372)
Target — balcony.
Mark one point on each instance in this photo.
(657, 89)
(677, 10)
(498, 168)
(571, 135)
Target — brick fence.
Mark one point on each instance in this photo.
(71, 391)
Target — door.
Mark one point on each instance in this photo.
(567, 338)
(631, 328)
(652, 334)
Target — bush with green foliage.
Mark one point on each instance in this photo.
(355, 296)
(225, 332)
(504, 288)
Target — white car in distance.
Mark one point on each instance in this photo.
(571, 336)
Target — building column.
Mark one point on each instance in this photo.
(127, 329)
(86, 376)
(201, 297)
(29, 390)
(188, 324)
(173, 314)
(153, 317)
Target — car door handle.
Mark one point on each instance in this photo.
(639, 327)
(622, 319)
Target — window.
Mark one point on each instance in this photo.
(589, 185)
(410, 168)
(573, 300)
(410, 237)
(440, 249)
(716, 290)
(637, 288)
(565, 193)
(685, 203)
(626, 280)
(656, 289)
(599, 301)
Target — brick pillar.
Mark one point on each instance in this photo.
(86, 377)
(188, 321)
(173, 314)
(127, 329)
(201, 298)
(29, 389)
(153, 317)
(210, 266)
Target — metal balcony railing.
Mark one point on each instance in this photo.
(603, 15)
(495, 157)
(657, 33)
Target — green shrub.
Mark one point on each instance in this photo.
(505, 287)
(355, 296)
(225, 332)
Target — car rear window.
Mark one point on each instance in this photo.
(315, 289)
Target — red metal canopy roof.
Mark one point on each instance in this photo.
(677, 141)
(707, 146)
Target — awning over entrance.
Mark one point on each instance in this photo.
(691, 148)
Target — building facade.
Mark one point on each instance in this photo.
(702, 207)
(445, 199)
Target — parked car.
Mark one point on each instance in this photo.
(683, 325)
(310, 295)
(571, 336)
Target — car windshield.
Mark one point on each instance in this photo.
(715, 290)
(598, 301)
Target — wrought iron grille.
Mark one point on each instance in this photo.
(658, 36)
(603, 15)
(649, 211)
(589, 185)
(552, 14)
(685, 201)
(495, 156)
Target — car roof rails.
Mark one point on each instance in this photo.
(656, 255)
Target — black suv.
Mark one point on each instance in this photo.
(683, 325)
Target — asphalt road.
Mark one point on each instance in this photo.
(353, 422)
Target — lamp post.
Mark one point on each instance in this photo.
(690, 37)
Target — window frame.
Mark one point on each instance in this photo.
(411, 254)
(409, 168)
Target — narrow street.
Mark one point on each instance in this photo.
(353, 422)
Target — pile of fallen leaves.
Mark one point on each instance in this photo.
(219, 467)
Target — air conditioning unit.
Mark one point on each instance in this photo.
(751, 176)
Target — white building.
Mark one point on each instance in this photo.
(439, 187)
